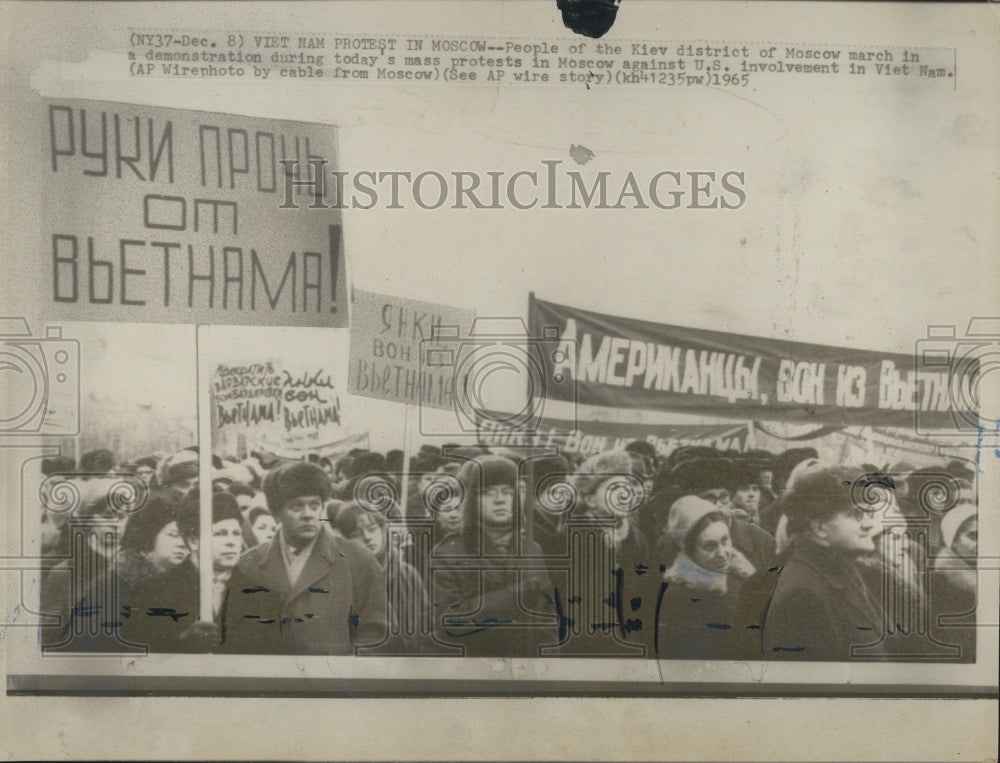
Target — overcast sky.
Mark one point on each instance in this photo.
(866, 219)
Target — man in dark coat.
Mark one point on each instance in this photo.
(163, 611)
(305, 591)
(821, 609)
(489, 586)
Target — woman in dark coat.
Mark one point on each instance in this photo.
(409, 607)
(697, 608)
(821, 609)
(150, 544)
(953, 580)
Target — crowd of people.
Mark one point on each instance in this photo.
(700, 554)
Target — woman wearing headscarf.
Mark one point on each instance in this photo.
(696, 611)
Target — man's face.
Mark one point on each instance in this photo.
(186, 484)
(245, 502)
(449, 517)
(145, 473)
(717, 495)
(299, 519)
(497, 505)
(849, 532)
(227, 541)
(747, 497)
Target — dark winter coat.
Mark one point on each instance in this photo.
(695, 624)
(162, 609)
(96, 621)
(820, 609)
(952, 583)
(494, 604)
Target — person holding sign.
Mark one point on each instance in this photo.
(163, 611)
(305, 591)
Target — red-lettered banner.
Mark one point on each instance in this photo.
(624, 363)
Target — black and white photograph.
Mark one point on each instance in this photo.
(498, 366)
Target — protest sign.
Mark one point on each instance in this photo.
(388, 335)
(590, 437)
(624, 363)
(287, 407)
(190, 217)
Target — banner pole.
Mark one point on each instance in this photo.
(751, 435)
(404, 485)
(204, 479)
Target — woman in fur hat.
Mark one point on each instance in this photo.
(700, 591)
(150, 545)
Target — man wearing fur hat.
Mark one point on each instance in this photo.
(305, 591)
(821, 609)
(178, 472)
(490, 580)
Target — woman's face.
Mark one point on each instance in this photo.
(966, 541)
(370, 534)
(51, 532)
(714, 547)
(264, 527)
(169, 548)
(227, 539)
